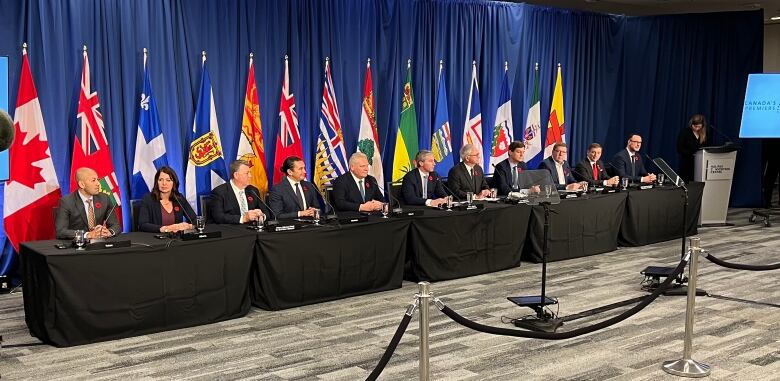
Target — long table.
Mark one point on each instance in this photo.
(76, 297)
(656, 215)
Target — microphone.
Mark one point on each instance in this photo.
(390, 198)
(329, 216)
(728, 139)
(105, 220)
(260, 199)
(183, 209)
(451, 192)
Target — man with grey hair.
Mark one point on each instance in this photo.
(422, 185)
(468, 176)
(236, 201)
(356, 190)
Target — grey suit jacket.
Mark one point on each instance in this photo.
(71, 215)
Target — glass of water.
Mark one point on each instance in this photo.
(548, 190)
(79, 239)
(661, 177)
(624, 183)
(316, 216)
(385, 209)
(449, 202)
(493, 192)
(470, 197)
(200, 223)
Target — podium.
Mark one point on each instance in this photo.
(714, 166)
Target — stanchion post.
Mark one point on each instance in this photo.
(424, 296)
(687, 367)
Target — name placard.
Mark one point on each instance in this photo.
(720, 169)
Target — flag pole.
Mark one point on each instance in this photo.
(441, 67)
(146, 54)
(84, 49)
(409, 64)
(24, 48)
(203, 57)
(251, 58)
(506, 66)
(368, 62)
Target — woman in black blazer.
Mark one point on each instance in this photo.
(164, 209)
(690, 140)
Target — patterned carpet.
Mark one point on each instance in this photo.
(343, 340)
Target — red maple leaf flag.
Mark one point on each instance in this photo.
(90, 147)
(32, 190)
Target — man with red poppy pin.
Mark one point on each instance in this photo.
(560, 169)
(86, 209)
(356, 190)
(293, 196)
(236, 201)
(506, 177)
(422, 185)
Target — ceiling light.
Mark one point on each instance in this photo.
(775, 18)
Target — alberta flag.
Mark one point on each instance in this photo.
(502, 131)
(149, 143)
(441, 142)
(331, 158)
(532, 136)
(472, 133)
(206, 163)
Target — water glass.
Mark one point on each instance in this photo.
(661, 177)
(200, 223)
(548, 190)
(79, 239)
(385, 209)
(493, 192)
(449, 202)
(470, 197)
(316, 216)
(624, 183)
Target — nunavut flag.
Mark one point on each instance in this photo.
(32, 189)
(90, 147)
(250, 143)
(556, 129)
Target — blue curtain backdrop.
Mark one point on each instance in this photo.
(621, 74)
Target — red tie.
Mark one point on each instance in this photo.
(595, 172)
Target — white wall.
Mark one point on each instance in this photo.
(772, 48)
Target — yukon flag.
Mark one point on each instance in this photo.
(331, 158)
(288, 142)
(441, 142)
(472, 133)
(532, 136)
(206, 163)
(90, 147)
(502, 131)
(406, 144)
(32, 190)
(149, 143)
(250, 143)
(368, 138)
(556, 128)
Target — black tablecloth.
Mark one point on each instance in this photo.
(73, 298)
(317, 264)
(446, 245)
(578, 227)
(655, 215)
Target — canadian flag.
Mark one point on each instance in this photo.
(32, 190)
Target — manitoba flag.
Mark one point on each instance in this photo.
(32, 190)
(90, 147)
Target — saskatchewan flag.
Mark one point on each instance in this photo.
(406, 139)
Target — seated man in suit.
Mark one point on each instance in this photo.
(591, 169)
(559, 168)
(422, 186)
(356, 190)
(467, 176)
(236, 201)
(293, 196)
(628, 162)
(505, 177)
(86, 209)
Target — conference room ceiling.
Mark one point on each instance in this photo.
(659, 7)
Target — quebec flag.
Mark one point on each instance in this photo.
(206, 167)
(149, 143)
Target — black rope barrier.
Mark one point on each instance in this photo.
(393, 344)
(570, 334)
(738, 266)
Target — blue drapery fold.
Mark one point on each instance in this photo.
(620, 74)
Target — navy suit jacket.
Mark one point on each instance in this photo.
(460, 181)
(411, 187)
(502, 177)
(549, 165)
(150, 213)
(346, 195)
(285, 204)
(224, 207)
(72, 216)
(622, 164)
(584, 172)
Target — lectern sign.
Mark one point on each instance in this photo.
(720, 169)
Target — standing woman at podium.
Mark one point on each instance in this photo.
(690, 140)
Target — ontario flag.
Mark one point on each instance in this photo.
(250, 143)
(368, 138)
(32, 190)
(90, 147)
(472, 133)
(331, 158)
(503, 130)
(288, 142)
(556, 129)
